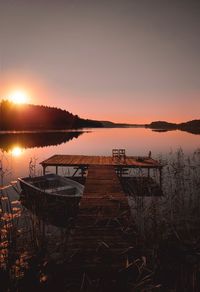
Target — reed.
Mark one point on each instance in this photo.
(168, 226)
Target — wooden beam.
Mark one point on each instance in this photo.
(44, 169)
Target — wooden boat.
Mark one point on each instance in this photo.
(51, 186)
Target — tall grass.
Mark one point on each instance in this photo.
(27, 243)
(168, 227)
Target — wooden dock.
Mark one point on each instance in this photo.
(85, 161)
(121, 164)
(98, 244)
(82, 162)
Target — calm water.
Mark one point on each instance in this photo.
(16, 150)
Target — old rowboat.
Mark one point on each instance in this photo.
(51, 186)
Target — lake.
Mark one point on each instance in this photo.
(42, 236)
(16, 150)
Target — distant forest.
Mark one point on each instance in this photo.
(190, 126)
(38, 117)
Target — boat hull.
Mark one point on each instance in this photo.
(51, 187)
(50, 204)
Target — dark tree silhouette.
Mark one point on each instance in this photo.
(38, 117)
(190, 126)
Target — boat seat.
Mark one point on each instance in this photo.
(65, 191)
(53, 190)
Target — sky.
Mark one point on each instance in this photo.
(132, 61)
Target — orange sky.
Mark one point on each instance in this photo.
(129, 109)
(117, 60)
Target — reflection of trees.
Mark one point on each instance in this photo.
(30, 140)
(162, 130)
(191, 131)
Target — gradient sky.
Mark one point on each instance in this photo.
(119, 60)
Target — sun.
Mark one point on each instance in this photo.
(19, 97)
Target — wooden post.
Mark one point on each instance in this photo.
(82, 172)
(56, 169)
(44, 169)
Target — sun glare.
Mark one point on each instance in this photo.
(16, 151)
(19, 97)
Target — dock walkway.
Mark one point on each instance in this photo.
(98, 243)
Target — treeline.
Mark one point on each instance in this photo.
(190, 126)
(37, 117)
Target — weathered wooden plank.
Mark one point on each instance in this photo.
(98, 241)
(82, 160)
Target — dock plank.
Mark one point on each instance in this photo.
(84, 160)
(98, 237)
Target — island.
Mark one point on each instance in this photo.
(190, 126)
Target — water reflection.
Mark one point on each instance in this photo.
(16, 151)
(194, 131)
(136, 141)
(14, 143)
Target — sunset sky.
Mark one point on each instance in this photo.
(119, 60)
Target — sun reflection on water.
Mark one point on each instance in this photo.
(16, 151)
